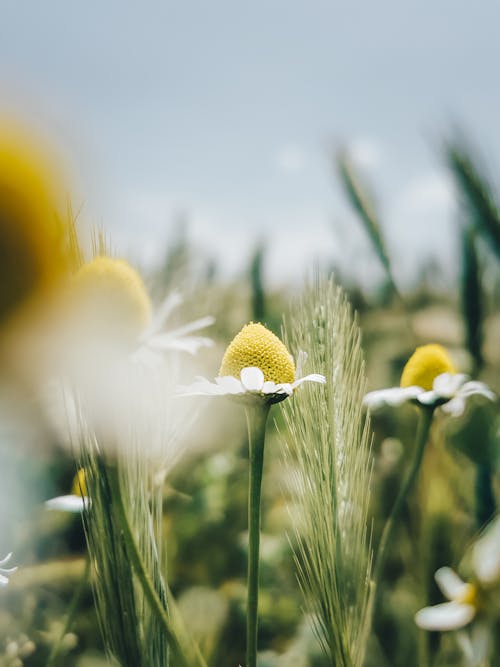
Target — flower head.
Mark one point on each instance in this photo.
(113, 296)
(424, 366)
(467, 600)
(257, 347)
(255, 366)
(111, 302)
(33, 228)
(429, 379)
(76, 501)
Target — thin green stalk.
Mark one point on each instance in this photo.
(426, 414)
(71, 614)
(256, 423)
(143, 576)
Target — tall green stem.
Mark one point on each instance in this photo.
(256, 423)
(144, 577)
(426, 414)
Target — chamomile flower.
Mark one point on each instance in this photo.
(113, 305)
(6, 572)
(430, 379)
(474, 603)
(255, 366)
(76, 501)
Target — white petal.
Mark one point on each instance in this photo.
(450, 583)
(3, 580)
(196, 325)
(480, 388)
(168, 341)
(446, 385)
(428, 397)
(447, 616)
(163, 311)
(202, 387)
(392, 396)
(230, 385)
(6, 559)
(486, 555)
(270, 387)
(313, 377)
(455, 407)
(284, 388)
(67, 503)
(252, 378)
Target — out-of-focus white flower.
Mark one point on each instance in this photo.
(6, 572)
(76, 501)
(429, 379)
(111, 306)
(156, 339)
(256, 366)
(469, 603)
(455, 614)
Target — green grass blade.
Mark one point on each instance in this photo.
(472, 301)
(476, 191)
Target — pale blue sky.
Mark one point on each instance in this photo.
(230, 111)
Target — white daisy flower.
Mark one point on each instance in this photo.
(457, 613)
(76, 501)
(6, 572)
(112, 306)
(430, 379)
(256, 366)
(470, 604)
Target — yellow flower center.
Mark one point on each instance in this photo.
(469, 596)
(79, 486)
(33, 220)
(257, 346)
(115, 294)
(424, 365)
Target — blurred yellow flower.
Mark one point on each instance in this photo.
(430, 379)
(79, 486)
(256, 346)
(34, 239)
(424, 366)
(113, 293)
(76, 501)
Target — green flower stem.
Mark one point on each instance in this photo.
(256, 423)
(143, 576)
(426, 414)
(71, 614)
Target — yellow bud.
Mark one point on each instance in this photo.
(79, 486)
(257, 346)
(424, 365)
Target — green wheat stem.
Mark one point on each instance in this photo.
(426, 414)
(71, 614)
(256, 423)
(142, 574)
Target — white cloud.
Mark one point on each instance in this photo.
(365, 152)
(421, 224)
(290, 158)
